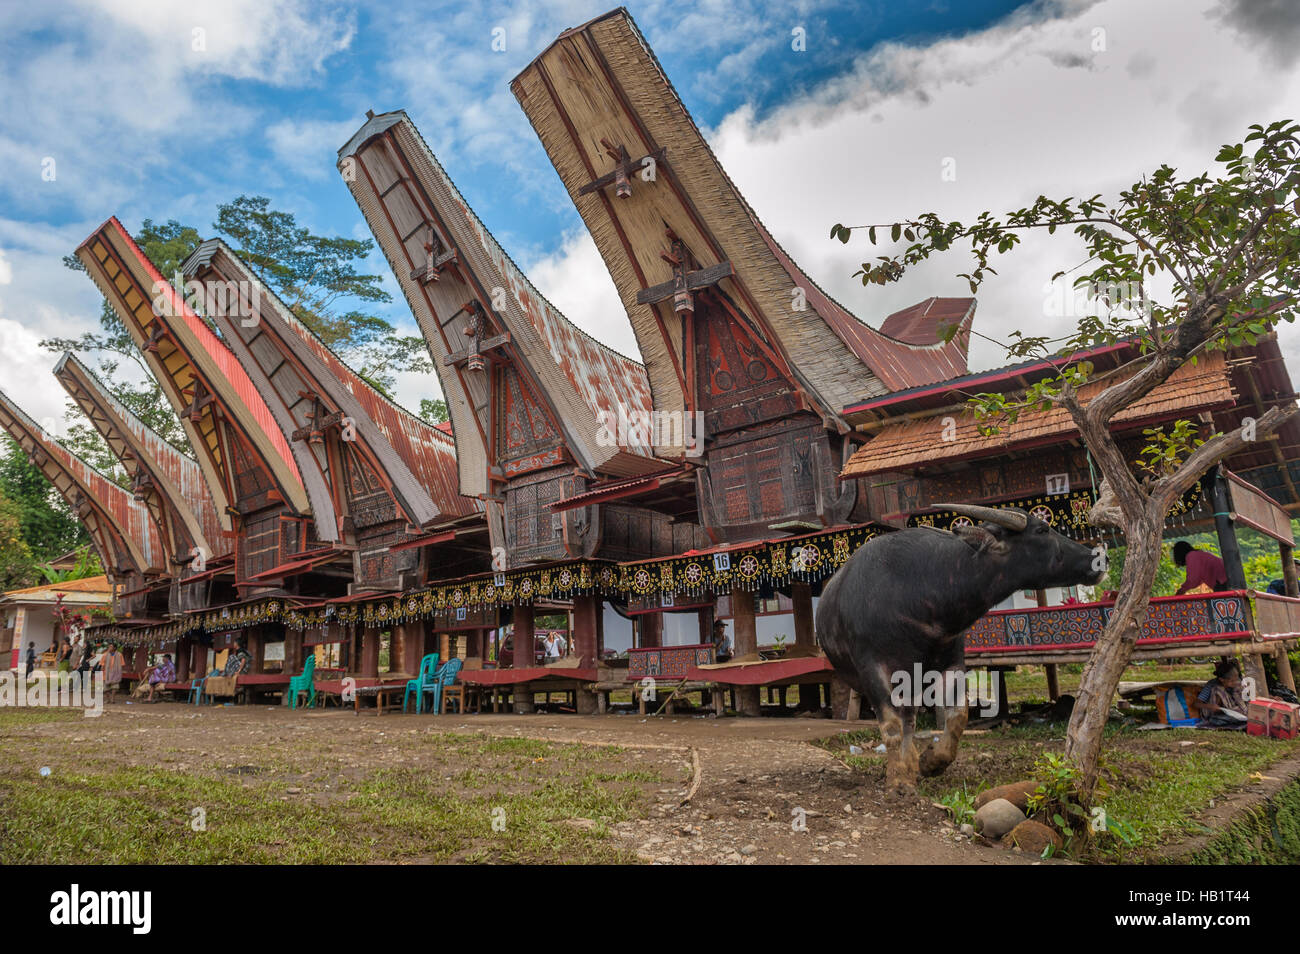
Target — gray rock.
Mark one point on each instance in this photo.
(997, 818)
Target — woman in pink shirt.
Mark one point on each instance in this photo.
(1203, 567)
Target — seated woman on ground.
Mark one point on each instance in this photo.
(1221, 703)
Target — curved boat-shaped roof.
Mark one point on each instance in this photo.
(120, 526)
(598, 92)
(421, 220)
(292, 363)
(171, 482)
(187, 358)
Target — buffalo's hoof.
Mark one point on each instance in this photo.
(932, 763)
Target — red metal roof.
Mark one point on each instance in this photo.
(180, 471)
(898, 364)
(129, 518)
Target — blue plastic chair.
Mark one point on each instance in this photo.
(422, 683)
(445, 676)
(196, 690)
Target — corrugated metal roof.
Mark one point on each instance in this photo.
(176, 476)
(124, 517)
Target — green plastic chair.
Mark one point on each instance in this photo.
(422, 683)
(304, 683)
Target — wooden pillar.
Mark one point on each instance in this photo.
(199, 663)
(183, 658)
(407, 655)
(369, 652)
(523, 658)
(444, 647)
(745, 641)
(1287, 553)
(293, 651)
(652, 630)
(1226, 531)
(805, 637)
(587, 611)
(1053, 679)
(256, 649)
(706, 617)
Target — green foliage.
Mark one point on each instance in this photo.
(87, 565)
(15, 555)
(1268, 834)
(1164, 453)
(433, 411)
(960, 805)
(312, 274)
(47, 526)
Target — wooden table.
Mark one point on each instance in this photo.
(383, 693)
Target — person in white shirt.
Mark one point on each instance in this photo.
(552, 647)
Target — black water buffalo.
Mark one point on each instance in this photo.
(903, 600)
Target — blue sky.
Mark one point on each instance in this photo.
(164, 110)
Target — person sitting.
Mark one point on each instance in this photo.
(159, 675)
(1203, 568)
(721, 641)
(240, 660)
(1220, 700)
(1278, 586)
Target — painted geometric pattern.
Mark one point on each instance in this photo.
(1175, 618)
(666, 662)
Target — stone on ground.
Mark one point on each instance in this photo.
(996, 818)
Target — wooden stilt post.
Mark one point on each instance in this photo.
(745, 641)
(1284, 674)
(183, 650)
(586, 637)
(523, 659)
(805, 638)
(293, 657)
(369, 652)
(1053, 680)
(1229, 550)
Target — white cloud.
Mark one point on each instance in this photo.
(306, 148)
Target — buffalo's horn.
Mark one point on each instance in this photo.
(1011, 519)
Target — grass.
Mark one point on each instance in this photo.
(1268, 834)
(474, 798)
(1156, 785)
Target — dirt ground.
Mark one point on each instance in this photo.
(766, 792)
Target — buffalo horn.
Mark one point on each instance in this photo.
(1011, 519)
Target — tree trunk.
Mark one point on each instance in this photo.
(1110, 655)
